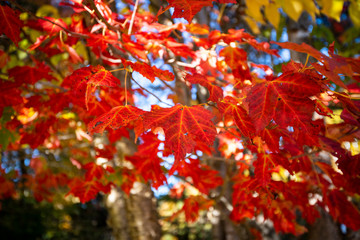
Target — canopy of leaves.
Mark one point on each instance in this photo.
(71, 95)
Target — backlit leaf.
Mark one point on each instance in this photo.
(86, 190)
(89, 78)
(183, 126)
(242, 120)
(116, 118)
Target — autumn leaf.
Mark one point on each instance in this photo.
(192, 206)
(271, 135)
(86, 190)
(231, 107)
(261, 101)
(10, 94)
(146, 160)
(93, 171)
(187, 9)
(338, 205)
(117, 117)
(150, 72)
(263, 165)
(183, 127)
(215, 92)
(10, 23)
(89, 78)
(203, 177)
(47, 26)
(30, 75)
(290, 95)
(334, 64)
(234, 57)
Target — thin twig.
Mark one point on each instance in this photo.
(151, 93)
(133, 17)
(101, 17)
(126, 72)
(167, 85)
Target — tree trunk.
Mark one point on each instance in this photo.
(133, 217)
(298, 32)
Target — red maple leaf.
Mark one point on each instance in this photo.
(215, 92)
(234, 57)
(290, 95)
(89, 78)
(183, 126)
(263, 165)
(146, 160)
(117, 117)
(47, 26)
(29, 75)
(10, 23)
(343, 210)
(230, 106)
(333, 64)
(86, 190)
(150, 72)
(203, 177)
(93, 171)
(187, 9)
(10, 94)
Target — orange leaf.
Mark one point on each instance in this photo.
(150, 72)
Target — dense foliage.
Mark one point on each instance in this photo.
(73, 88)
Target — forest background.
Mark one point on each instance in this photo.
(180, 119)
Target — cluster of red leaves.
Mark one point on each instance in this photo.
(270, 118)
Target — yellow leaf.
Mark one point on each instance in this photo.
(293, 8)
(262, 2)
(272, 14)
(252, 24)
(47, 11)
(253, 10)
(332, 8)
(354, 12)
(310, 7)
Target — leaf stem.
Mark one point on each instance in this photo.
(118, 69)
(343, 95)
(307, 60)
(125, 88)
